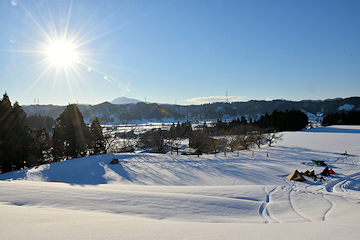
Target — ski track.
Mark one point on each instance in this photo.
(328, 210)
(263, 210)
(339, 188)
(292, 206)
(335, 186)
(280, 207)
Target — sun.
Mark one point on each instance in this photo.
(62, 53)
(61, 47)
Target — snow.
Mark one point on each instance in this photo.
(220, 109)
(124, 100)
(346, 107)
(312, 117)
(153, 196)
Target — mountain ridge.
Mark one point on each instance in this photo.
(109, 113)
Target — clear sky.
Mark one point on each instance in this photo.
(184, 52)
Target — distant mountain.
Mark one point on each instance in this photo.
(50, 110)
(109, 113)
(124, 100)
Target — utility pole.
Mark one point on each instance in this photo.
(227, 99)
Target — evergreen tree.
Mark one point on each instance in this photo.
(172, 136)
(97, 141)
(344, 118)
(243, 120)
(293, 120)
(186, 128)
(70, 135)
(14, 136)
(38, 121)
(40, 148)
(178, 132)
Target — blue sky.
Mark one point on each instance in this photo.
(184, 52)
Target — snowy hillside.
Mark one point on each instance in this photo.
(153, 196)
(346, 107)
(124, 100)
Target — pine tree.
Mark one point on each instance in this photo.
(97, 141)
(186, 128)
(40, 148)
(70, 135)
(14, 136)
(243, 120)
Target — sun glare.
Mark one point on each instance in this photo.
(61, 53)
(57, 45)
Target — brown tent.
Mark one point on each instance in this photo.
(114, 161)
(309, 174)
(295, 176)
(305, 173)
(325, 172)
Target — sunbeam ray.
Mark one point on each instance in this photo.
(68, 21)
(52, 21)
(87, 21)
(36, 23)
(38, 79)
(27, 36)
(103, 34)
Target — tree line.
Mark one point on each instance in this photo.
(343, 118)
(241, 134)
(22, 146)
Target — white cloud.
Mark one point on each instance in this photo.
(202, 100)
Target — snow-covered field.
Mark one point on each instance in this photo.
(152, 196)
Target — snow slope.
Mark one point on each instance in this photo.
(152, 196)
(124, 100)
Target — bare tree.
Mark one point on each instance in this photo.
(155, 138)
(259, 136)
(272, 136)
(245, 136)
(246, 142)
(201, 142)
(129, 139)
(234, 143)
(109, 142)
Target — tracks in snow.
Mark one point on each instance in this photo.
(294, 204)
(341, 185)
(278, 207)
(263, 210)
